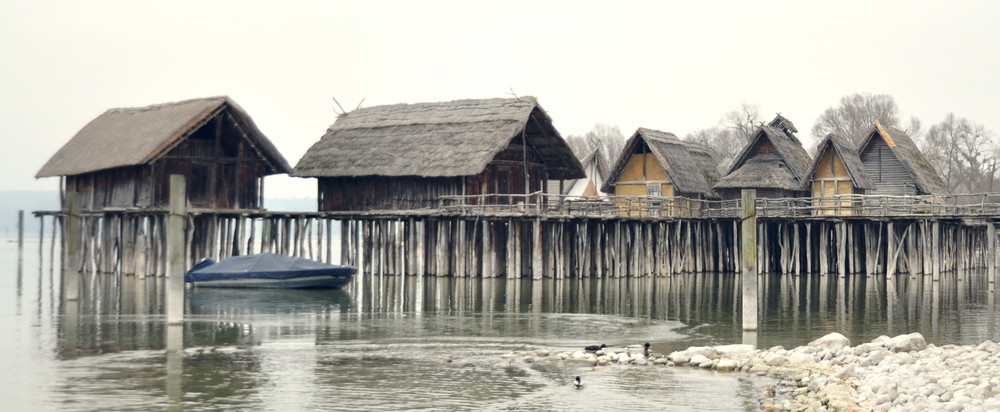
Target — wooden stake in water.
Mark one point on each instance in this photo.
(72, 252)
(175, 249)
(749, 274)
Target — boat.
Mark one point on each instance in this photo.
(268, 270)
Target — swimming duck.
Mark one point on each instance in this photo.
(594, 348)
(577, 384)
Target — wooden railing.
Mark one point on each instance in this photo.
(963, 205)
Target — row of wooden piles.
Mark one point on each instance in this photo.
(133, 243)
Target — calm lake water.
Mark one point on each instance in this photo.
(389, 343)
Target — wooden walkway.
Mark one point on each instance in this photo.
(543, 236)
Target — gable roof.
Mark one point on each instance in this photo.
(139, 135)
(789, 151)
(849, 156)
(672, 153)
(923, 173)
(457, 138)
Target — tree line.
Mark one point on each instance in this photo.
(964, 153)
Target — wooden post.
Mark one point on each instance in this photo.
(936, 249)
(890, 256)
(749, 275)
(536, 250)
(73, 251)
(991, 255)
(175, 249)
(20, 238)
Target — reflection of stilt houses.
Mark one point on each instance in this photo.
(896, 166)
(836, 173)
(658, 164)
(123, 159)
(774, 163)
(407, 156)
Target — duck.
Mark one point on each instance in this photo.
(594, 348)
(577, 384)
(645, 349)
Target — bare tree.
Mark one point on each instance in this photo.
(856, 114)
(724, 142)
(608, 140)
(734, 131)
(579, 145)
(963, 153)
(743, 121)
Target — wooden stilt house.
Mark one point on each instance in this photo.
(597, 171)
(774, 163)
(895, 165)
(407, 156)
(658, 164)
(123, 159)
(836, 173)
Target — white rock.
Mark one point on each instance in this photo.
(706, 351)
(679, 357)
(906, 343)
(725, 365)
(733, 350)
(542, 353)
(832, 341)
(697, 360)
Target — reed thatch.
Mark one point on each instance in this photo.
(923, 173)
(848, 155)
(683, 168)
(457, 138)
(140, 135)
(789, 163)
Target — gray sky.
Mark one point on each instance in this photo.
(672, 66)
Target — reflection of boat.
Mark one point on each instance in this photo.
(213, 301)
(268, 270)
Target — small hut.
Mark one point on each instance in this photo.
(596, 169)
(896, 166)
(774, 163)
(123, 159)
(407, 156)
(658, 164)
(836, 172)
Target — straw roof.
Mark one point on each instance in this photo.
(139, 135)
(924, 175)
(789, 155)
(457, 138)
(673, 154)
(849, 156)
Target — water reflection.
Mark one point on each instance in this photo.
(387, 342)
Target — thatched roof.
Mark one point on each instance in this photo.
(849, 156)
(789, 155)
(457, 138)
(672, 153)
(139, 135)
(924, 175)
(764, 171)
(706, 160)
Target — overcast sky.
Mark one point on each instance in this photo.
(672, 66)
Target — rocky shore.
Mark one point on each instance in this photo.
(901, 373)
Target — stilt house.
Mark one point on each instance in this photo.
(836, 173)
(596, 169)
(123, 159)
(658, 164)
(896, 166)
(407, 156)
(774, 163)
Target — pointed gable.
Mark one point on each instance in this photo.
(915, 169)
(773, 159)
(847, 155)
(672, 154)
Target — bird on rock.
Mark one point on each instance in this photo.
(645, 349)
(594, 348)
(577, 384)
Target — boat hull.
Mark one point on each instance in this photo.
(312, 282)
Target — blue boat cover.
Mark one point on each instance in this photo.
(262, 266)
